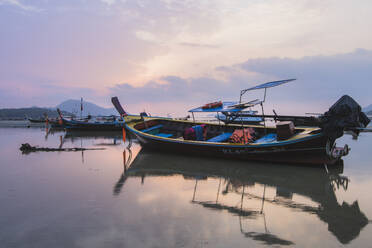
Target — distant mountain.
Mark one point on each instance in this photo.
(368, 109)
(89, 108)
(33, 112)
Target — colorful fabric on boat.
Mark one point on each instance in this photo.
(189, 134)
(212, 105)
(268, 138)
(197, 132)
(243, 136)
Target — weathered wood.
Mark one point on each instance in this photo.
(28, 148)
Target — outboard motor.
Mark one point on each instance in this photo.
(345, 114)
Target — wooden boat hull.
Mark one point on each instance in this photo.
(91, 126)
(52, 122)
(311, 149)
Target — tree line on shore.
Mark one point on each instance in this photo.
(33, 112)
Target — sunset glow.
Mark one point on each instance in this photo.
(52, 50)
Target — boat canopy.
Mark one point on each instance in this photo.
(235, 107)
(265, 86)
(268, 85)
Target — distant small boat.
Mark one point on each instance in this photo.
(92, 124)
(55, 123)
(41, 120)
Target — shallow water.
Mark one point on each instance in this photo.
(121, 197)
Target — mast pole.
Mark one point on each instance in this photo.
(263, 117)
(81, 109)
(218, 191)
(196, 184)
(263, 113)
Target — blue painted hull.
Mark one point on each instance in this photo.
(311, 149)
(93, 126)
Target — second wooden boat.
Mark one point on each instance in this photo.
(115, 124)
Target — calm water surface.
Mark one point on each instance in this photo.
(121, 197)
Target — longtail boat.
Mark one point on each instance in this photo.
(115, 124)
(93, 125)
(310, 145)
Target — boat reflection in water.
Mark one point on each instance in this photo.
(108, 138)
(104, 138)
(345, 221)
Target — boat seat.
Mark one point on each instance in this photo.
(164, 135)
(147, 130)
(270, 137)
(220, 138)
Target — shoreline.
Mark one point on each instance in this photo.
(20, 123)
(28, 124)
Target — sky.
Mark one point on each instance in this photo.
(167, 56)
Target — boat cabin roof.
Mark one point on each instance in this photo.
(239, 106)
(268, 85)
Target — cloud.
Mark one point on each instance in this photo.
(197, 45)
(97, 44)
(321, 81)
(72, 42)
(109, 2)
(173, 88)
(43, 93)
(321, 77)
(20, 5)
